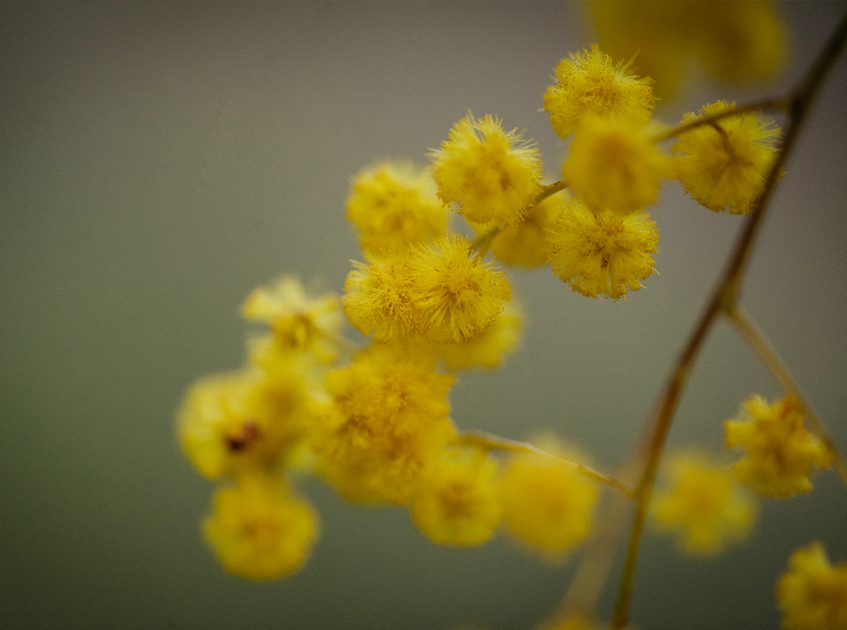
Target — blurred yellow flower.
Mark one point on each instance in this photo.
(812, 594)
(702, 505)
(259, 530)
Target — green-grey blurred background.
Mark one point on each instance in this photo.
(158, 160)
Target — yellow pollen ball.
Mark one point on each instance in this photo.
(456, 503)
(780, 452)
(604, 253)
(457, 294)
(259, 530)
(394, 205)
(614, 164)
(588, 82)
(701, 503)
(492, 174)
(548, 505)
(724, 165)
(812, 594)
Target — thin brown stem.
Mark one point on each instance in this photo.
(765, 104)
(769, 357)
(724, 296)
(491, 442)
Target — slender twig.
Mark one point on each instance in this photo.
(487, 441)
(765, 104)
(725, 295)
(769, 357)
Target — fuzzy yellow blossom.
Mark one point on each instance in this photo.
(298, 321)
(259, 530)
(457, 294)
(489, 348)
(456, 502)
(589, 82)
(812, 594)
(244, 421)
(548, 505)
(524, 244)
(724, 165)
(702, 505)
(780, 452)
(378, 298)
(614, 164)
(491, 173)
(394, 205)
(603, 253)
(391, 415)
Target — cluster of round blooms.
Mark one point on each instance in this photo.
(702, 505)
(602, 243)
(252, 425)
(780, 453)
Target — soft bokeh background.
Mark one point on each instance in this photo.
(158, 160)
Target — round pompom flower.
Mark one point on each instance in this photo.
(492, 174)
(588, 82)
(724, 165)
(456, 293)
(614, 164)
(394, 205)
(548, 505)
(701, 503)
(378, 298)
(780, 452)
(298, 321)
(603, 253)
(259, 530)
(524, 244)
(812, 594)
(456, 503)
(390, 416)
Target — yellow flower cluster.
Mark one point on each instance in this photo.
(812, 593)
(724, 165)
(602, 243)
(702, 505)
(780, 452)
(256, 423)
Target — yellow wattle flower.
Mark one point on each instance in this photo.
(394, 205)
(259, 530)
(702, 505)
(602, 253)
(548, 505)
(812, 594)
(780, 453)
(724, 165)
(588, 82)
(614, 164)
(492, 174)
(456, 503)
(457, 295)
